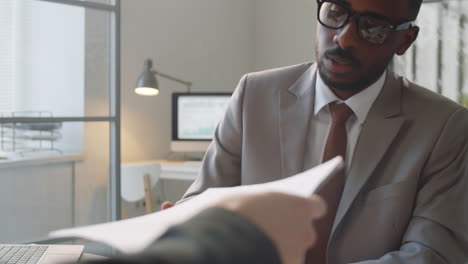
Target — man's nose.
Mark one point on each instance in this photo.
(347, 36)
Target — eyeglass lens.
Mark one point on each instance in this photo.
(371, 29)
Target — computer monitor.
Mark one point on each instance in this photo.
(194, 119)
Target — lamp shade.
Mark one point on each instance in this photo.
(147, 84)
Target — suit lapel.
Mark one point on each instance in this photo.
(379, 130)
(296, 106)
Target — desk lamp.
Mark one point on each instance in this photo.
(147, 84)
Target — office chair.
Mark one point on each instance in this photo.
(137, 181)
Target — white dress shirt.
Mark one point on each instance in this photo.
(320, 121)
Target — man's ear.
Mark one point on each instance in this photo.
(408, 38)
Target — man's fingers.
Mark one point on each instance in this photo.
(166, 205)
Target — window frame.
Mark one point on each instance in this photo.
(114, 118)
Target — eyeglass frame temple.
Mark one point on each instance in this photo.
(404, 25)
(351, 15)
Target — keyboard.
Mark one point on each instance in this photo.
(21, 254)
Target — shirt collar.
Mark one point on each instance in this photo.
(360, 103)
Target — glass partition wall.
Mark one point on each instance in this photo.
(59, 115)
(439, 58)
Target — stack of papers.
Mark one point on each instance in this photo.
(133, 235)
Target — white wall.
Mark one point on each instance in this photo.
(284, 32)
(209, 42)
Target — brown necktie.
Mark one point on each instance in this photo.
(331, 193)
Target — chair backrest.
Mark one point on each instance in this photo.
(132, 179)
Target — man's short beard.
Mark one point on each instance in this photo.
(359, 85)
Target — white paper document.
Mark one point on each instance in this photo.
(135, 234)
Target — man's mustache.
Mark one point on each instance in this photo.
(342, 56)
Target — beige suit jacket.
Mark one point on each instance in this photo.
(406, 194)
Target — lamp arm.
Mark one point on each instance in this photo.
(188, 84)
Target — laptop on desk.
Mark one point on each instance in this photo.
(42, 254)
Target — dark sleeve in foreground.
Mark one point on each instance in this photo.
(213, 236)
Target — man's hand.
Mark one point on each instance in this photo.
(286, 219)
(166, 205)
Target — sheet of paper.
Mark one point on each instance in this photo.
(135, 234)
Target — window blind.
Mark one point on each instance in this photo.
(6, 55)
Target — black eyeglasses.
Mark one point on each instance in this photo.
(371, 27)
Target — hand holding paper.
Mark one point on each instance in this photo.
(286, 219)
(133, 235)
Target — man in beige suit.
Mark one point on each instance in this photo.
(405, 196)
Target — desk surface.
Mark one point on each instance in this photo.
(179, 170)
(182, 164)
(175, 169)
